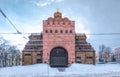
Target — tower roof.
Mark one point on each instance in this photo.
(57, 14)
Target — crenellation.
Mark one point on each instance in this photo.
(65, 19)
(72, 23)
(50, 23)
(45, 22)
(66, 23)
(50, 19)
(60, 23)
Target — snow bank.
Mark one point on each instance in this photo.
(41, 69)
(44, 69)
(93, 69)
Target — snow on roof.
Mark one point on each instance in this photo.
(81, 34)
(35, 34)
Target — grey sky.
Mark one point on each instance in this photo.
(91, 16)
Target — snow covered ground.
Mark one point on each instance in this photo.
(42, 70)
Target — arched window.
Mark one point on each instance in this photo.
(50, 31)
(66, 31)
(61, 31)
(56, 31)
(70, 31)
(46, 31)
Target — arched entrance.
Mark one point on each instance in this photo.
(58, 57)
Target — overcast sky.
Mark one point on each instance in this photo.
(91, 16)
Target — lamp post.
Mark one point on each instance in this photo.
(48, 69)
(48, 64)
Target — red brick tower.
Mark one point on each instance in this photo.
(58, 41)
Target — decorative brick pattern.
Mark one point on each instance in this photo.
(57, 39)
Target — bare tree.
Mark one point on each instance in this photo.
(5, 50)
(101, 52)
(102, 48)
(104, 53)
(108, 50)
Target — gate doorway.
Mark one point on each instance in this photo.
(58, 57)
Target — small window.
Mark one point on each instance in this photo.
(46, 31)
(78, 58)
(61, 31)
(39, 61)
(56, 31)
(27, 54)
(70, 31)
(89, 57)
(50, 31)
(66, 31)
(48, 23)
(38, 54)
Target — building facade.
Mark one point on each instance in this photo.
(2, 59)
(12, 59)
(117, 55)
(9, 59)
(58, 44)
(104, 57)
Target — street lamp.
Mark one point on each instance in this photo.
(48, 69)
(48, 64)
